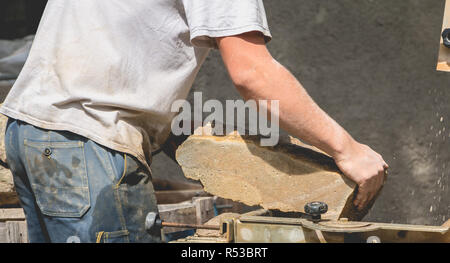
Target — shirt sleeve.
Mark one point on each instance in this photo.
(208, 19)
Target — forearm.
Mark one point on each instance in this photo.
(258, 76)
(298, 113)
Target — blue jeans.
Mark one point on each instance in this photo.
(74, 190)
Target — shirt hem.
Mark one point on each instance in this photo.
(223, 32)
(67, 127)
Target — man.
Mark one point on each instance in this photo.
(94, 98)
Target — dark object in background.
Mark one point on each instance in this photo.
(20, 18)
(315, 210)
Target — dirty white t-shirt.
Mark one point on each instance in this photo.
(110, 70)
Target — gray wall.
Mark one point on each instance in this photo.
(371, 65)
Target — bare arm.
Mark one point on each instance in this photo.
(258, 76)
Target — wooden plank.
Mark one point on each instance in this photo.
(9, 199)
(204, 207)
(16, 232)
(3, 232)
(444, 52)
(13, 227)
(180, 213)
(12, 214)
(198, 211)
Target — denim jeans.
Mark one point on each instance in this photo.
(74, 190)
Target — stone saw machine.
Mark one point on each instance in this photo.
(303, 195)
(260, 227)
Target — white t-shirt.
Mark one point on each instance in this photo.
(110, 70)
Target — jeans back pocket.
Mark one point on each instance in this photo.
(58, 177)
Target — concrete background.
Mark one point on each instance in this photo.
(371, 65)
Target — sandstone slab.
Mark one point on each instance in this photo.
(284, 177)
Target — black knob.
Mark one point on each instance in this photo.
(315, 209)
(446, 37)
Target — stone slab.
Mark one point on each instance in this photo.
(284, 177)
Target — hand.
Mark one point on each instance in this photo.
(366, 168)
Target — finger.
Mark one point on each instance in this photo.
(368, 196)
(361, 196)
(358, 198)
(378, 184)
(374, 184)
(362, 204)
